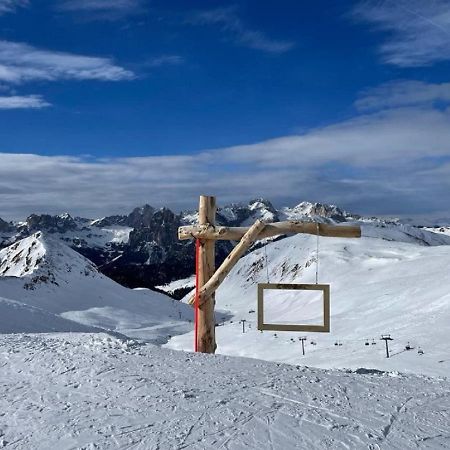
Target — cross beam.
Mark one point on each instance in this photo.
(208, 231)
(209, 279)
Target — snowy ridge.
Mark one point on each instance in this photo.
(31, 256)
(43, 273)
(314, 211)
(439, 230)
(177, 285)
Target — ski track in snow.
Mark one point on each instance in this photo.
(92, 391)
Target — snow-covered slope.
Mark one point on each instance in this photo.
(16, 316)
(44, 273)
(439, 230)
(378, 285)
(96, 392)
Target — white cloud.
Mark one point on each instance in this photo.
(403, 93)
(418, 30)
(21, 63)
(388, 162)
(23, 102)
(7, 6)
(165, 60)
(229, 21)
(103, 9)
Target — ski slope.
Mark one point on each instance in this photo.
(394, 280)
(91, 391)
(45, 277)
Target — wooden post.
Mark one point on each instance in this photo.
(230, 261)
(206, 322)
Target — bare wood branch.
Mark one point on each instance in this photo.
(207, 231)
(230, 261)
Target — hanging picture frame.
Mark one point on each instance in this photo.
(322, 328)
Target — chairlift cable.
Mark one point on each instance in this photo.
(267, 263)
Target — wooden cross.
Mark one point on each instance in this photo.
(210, 279)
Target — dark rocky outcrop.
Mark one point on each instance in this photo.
(153, 255)
(51, 224)
(5, 226)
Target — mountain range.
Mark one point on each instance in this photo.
(141, 249)
(392, 280)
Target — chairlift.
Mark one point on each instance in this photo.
(373, 342)
(420, 351)
(408, 347)
(367, 343)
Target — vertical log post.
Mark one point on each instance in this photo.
(206, 321)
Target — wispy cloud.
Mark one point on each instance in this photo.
(419, 31)
(230, 22)
(103, 9)
(403, 93)
(164, 60)
(7, 6)
(385, 162)
(23, 102)
(20, 63)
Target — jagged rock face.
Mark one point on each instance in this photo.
(160, 227)
(141, 217)
(50, 224)
(5, 226)
(236, 214)
(328, 211)
(151, 253)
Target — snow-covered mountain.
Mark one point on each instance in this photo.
(394, 280)
(47, 277)
(141, 249)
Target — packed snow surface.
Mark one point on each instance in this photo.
(92, 391)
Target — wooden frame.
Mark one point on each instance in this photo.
(210, 279)
(325, 288)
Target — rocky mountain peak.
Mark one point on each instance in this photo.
(42, 259)
(309, 210)
(5, 226)
(141, 216)
(51, 224)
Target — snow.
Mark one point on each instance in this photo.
(43, 273)
(86, 374)
(174, 286)
(378, 286)
(92, 391)
(404, 233)
(96, 237)
(440, 230)
(18, 316)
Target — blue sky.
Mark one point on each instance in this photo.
(108, 104)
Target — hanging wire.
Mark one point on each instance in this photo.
(267, 263)
(317, 254)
